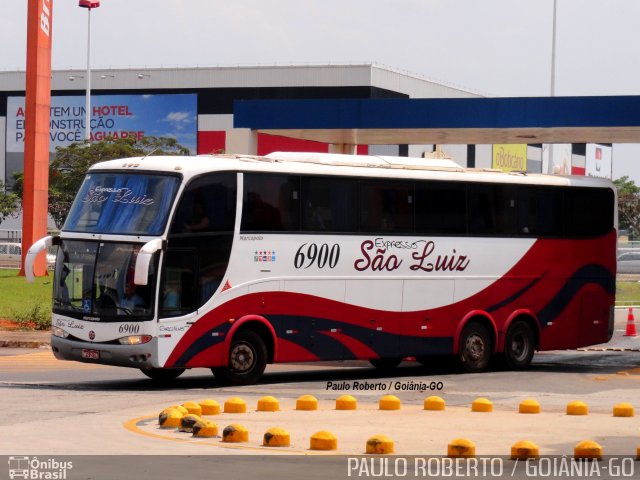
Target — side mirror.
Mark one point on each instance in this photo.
(33, 252)
(144, 260)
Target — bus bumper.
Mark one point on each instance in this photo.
(135, 356)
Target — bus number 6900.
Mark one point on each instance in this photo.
(309, 254)
(129, 328)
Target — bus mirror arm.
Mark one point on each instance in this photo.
(144, 259)
(33, 252)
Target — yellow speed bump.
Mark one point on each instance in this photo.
(307, 402)
(577, 408)
(276, 437)
(235, 405)
(481, 405)
(235, 433)
(187, 422)
(434, 403)
(323, 440)
(524, 449)
(461, 448)
(193, 408)
(205, 429)
(623, 410)
(181, 409)
(346, 402)
(389, 402)
(170, 418)
(268, 404)
(210, 407)
(529, 406)
(379, 444)
(588, 449)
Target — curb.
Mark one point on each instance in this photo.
(23, 344)
(607, 349)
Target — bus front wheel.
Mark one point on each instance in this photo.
(162, 374)
(519, 346)
(475, 348)
(247, 359)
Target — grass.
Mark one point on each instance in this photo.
(627, 293)
(18, 297)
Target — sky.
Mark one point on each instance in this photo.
(493, 47)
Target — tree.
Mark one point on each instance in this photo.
(71, 163)
(628, 206)
(9, 203)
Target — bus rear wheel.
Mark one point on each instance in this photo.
(247, 359)
(474, 353)
(162, 374)
(519, 346)
(385, 364)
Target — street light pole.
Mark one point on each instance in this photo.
(550, 168)
(553, 51)
(88, 4)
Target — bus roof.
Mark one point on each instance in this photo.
(340, 164)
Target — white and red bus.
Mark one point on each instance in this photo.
(232, 262)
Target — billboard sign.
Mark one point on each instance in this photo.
(598, 160)
(510, 157)
(115, 116)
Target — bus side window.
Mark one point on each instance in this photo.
(539, 212)
(588, 211)
(441, 208)
(199, 243)
(178, 286)
(328, 204)
(208, 205)
(386, 206)
(491, 209)
(271, 203)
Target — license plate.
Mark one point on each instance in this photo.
(91, 354)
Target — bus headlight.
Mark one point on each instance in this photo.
(135, 339)
(58, 332)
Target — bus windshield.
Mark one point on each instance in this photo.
(122, 203)
(95, 279)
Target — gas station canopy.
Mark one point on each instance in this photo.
(608, 119)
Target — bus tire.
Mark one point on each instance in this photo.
(247, 359)
(519, 346)
(474, 353)
(385, 364)
(162, 374)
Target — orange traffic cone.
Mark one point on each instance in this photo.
(631, 326)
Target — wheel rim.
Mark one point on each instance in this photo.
(242, 357)
(519, 347)
(475, 348)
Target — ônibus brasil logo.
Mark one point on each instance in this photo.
(33, 468)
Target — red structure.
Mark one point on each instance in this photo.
(36, 146)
